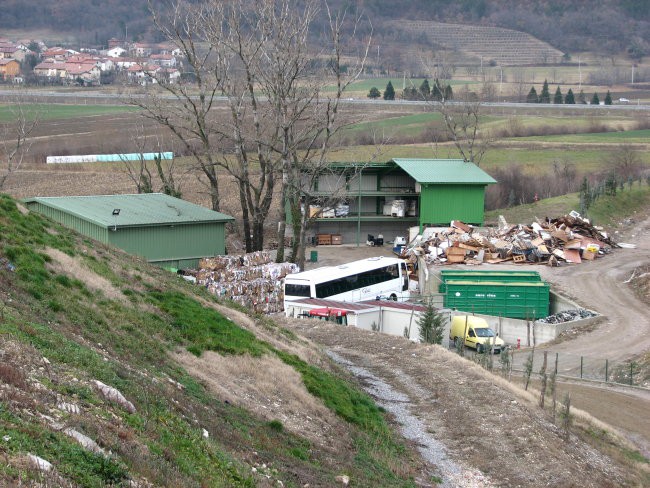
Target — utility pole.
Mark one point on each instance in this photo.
(580, 73)
(501, 82)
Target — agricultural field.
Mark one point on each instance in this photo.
(532, 144)
(52, 111)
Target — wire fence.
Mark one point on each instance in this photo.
(584, 367)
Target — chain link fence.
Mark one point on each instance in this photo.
(584, 367)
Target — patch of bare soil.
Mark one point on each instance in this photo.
(270, 389)
(72, 266)
(482, 420)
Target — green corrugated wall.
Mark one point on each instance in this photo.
(440, 204)
(170, 244)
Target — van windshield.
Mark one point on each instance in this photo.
(484, 332)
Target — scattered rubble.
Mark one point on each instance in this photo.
(567, 316)
(39, 463)
(84, 441)
(251, 280)
(569, 239)
(113, 395)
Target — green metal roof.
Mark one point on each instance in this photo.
(444, 171)
(134, 210)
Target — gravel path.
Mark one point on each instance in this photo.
(453, 473)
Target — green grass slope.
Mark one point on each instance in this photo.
(74, 313)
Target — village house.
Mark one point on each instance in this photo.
(136, 74)
(164, 60)
(125, 63)
(88, 73)
(50, 69)
(13, 51)
(116, 52)
(159, 74)
(141, 50)
(113, 42)
(9, 68)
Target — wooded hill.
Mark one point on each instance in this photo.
(609, 26)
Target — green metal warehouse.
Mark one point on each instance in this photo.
(166, 231)
(435, 191)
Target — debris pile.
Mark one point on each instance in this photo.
(569, 239)
(567, 316)
(251, 280)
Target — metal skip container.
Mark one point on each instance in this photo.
(506, 299)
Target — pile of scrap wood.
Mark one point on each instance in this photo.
(569, 239)
(251, 280)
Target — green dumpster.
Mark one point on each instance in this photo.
(314, 256)
(505, 299)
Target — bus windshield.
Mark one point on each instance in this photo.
(297, 290)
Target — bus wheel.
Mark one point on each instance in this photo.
(393, 297)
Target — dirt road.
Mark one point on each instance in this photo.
(481, 432)
(599, 285)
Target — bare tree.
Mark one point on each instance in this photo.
(188, 106)
(626, 162)
(14, 136)
(462, 118)
(306, 146)
(277, 120)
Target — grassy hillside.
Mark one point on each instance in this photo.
(74, 313)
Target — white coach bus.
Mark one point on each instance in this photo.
(361, 280)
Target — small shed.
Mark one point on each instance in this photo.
(166, 231)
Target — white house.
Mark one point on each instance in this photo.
(115, 52)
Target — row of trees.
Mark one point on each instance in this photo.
(559, 98)
(425, 92)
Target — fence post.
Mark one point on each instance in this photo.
(631, 373)
(557, 355)
(606, 370)
(581, 363)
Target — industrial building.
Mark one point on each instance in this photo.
(166, 231)
(388, 198)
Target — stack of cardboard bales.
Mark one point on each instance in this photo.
(251, 280)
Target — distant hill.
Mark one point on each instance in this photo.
(609, 26)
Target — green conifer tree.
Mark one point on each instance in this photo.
(545, 95)
(431, 325)
(595, 100)
(570, 98)
(374, 93)
(425, 89)
(558, 99)
(608, 98)
(532, 96)
(389, 92)
(449, 93)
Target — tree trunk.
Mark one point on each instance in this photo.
(245, 217)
